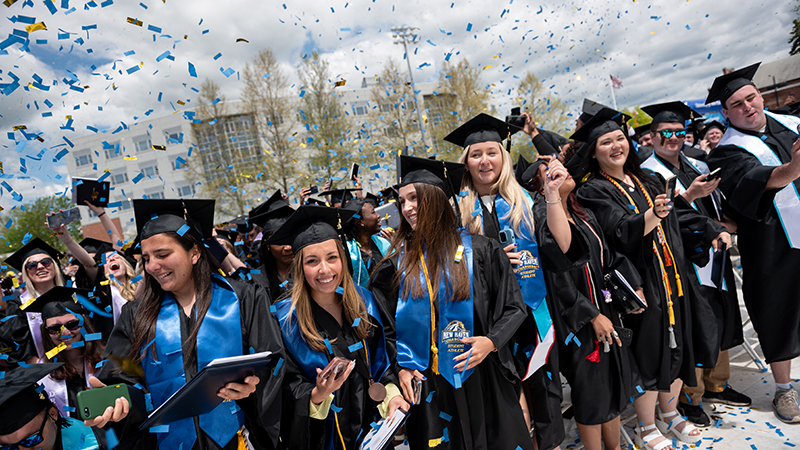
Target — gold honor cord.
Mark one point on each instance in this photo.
(667, 260)
(434, 349)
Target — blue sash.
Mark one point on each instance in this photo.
(78, 436)
(219, 336)
(360, 269)
(413, 326)
(529, 274)
(308, 359)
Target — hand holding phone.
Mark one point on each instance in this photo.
(715, 174)
(336, 367)
(669, 187)
(63, 218)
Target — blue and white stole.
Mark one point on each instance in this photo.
(308, 359)
(219, 336)
(653, 163)
(360, 269)
(413, 324)
(787, 200)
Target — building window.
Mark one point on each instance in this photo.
(150, 171)
(83, 160)
(112, 153)
(360, 110)
(385, 108)
(143, 144)
(186, 191)
(158, 195)
(118, 178)
(125, 204)
(176, 165)
(173, 136)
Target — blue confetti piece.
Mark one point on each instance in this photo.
(569, 338)
(67, 408)
(277, 367)
(272, 309)
(148, 402)
(328, 346)
(355, 347)
(160, 429)
(94, 337)
(339, 290)
(469, 27)
(430, 397)
(576, 341)
(335, 408)
(356, 322)
(136, 279)
(77, 344)
(284, 283)
(234, 408)
(183, 229)
(192, 70)
(457, 380)
(639, 389)
(111, 439)
(100, 364)
(445, 416)
(476, 213)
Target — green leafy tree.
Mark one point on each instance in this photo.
(794, 38)
(549, 112)
(639, 116)
(264, 94)
(328, 136)
(30, 218)
(460, 96)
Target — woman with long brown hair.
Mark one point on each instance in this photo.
(188, 316)
(456, 304)
(328, 317)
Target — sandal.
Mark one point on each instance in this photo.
(676, 419)
(643, 442)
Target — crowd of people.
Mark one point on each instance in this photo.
(499, 280)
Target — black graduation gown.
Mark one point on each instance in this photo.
(298, 430)
(624, 228)
(543, 391)
(16, 340)
(259, 277)
(262, 409)
(717, 311)
(769, 263)
(602, 389)
(485, 412)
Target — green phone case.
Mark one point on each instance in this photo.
(93, 402)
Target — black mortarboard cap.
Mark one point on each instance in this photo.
(96, 192)
(445, 175)
(671, 112)
(228, 235)
(726, 85)
(34, 247)
(241, 224)
(519, 168)
(710, 125)
(57, 300)
(170, 215)
(19, 400)
(315, 201)
(339, 195)
(310, 225)
(92, 245)
(590, 108)
(642, 129)
(605, 121)
(371, 198)
(389, 193)
(530, 173)
(481, 128)
(271, 214)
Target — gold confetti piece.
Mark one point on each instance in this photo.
(222, 273)
(104, 283)
(52, 353)
(130, 158)
(36, 27)
(242, 40)
(26, 304)
(159, 147)
(20, 127)
(495, 56)
(487, 67)
(340, 83)
(133, 21)
(9, 2)
(1, 169)
(185, 37)
(181, 102)
(128, 366)
(652, 32)
(425, 118)
(113, 86)
(5, 350)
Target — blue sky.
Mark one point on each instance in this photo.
(661, 50)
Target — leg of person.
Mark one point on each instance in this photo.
(610, 432)
(669, 420)
(717, 389)
(690, 398)
(646, 435)
(523, 403)
(785, 402)
(591, 436)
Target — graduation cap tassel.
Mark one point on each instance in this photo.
(672, 342)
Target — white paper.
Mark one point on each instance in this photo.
(378, 438)
(539, 356)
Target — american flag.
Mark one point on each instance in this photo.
(616, 83)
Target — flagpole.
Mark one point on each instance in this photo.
(613, 97)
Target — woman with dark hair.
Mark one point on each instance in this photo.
(365, 246)
(456, 305)
(275, 272)
(327, 318)
(177, 327)
(637, 219)
(575, 257)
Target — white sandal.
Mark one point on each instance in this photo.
(643, 442)
(683, 435)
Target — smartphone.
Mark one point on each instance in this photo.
(416, 384)
(717, 173)
(216, 249)
(670, 185)
(313, 190)
(64, 217)
(354, 171)
(506, 239)
(94, 402)
(336, 367)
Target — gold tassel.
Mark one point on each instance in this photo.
(435, 365)
(241, 445)
(680, 285)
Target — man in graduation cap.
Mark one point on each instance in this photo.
(338, 197)
(28, 419)
(760, 159)
(645, 135)
(716, 308)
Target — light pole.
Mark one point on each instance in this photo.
(403, 35)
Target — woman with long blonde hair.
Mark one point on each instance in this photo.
(330, 320)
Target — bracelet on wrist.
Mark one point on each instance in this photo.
(553, 202)
(101, 214)
(656, 214)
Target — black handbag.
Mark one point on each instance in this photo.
(622, 295)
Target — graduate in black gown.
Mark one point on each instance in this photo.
(177, 327)
(274, 274)
(637, 220)
(760, 179)
(594, 347)
(716, 308)
(328, 316)
(493, 202)
(454, 339)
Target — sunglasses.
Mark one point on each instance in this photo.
(72, 325)
(30, 441)
(32, 265)
(668, 133)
